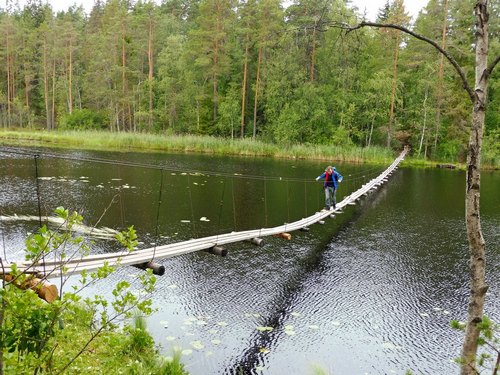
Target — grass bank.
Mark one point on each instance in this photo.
(140, 142)
(104, 140)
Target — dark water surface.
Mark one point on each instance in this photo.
(370, 292)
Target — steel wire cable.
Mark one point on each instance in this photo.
(372, 171)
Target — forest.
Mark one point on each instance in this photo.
(285, 73)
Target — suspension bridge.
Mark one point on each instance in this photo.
(50, 268)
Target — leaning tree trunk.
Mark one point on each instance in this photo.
(473, 223)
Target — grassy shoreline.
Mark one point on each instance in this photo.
(137, 142)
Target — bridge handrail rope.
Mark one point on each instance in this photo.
(191, 172)
(92, 262)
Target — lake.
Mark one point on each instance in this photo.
(372, 291)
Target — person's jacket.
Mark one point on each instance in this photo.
(331, 180)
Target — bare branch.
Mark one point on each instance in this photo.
(493, 64)
(450, 58)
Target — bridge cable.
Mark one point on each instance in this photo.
(234, 205)
(265, 206)
(36, 156)
(288, 199)
(221, 204)
(191, 203)
(158, 215)
(305, 199)
(150, 166)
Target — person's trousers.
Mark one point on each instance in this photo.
(330, 197)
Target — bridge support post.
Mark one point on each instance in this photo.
(158, 269)
(217, 250)
(256, 241)
(286, 236)
(45, 290)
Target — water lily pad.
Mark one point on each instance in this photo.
(201, 322)
(290, 332)
(187, 352)
(216, 342)
(264, 329)
(170, 338)
(391, 346)
(264, 350)
(197, 345)
(172, 286)
(296, 314)
(336, 323)
(213, 331)
(222, 324)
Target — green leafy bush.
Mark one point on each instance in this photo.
(83, 119)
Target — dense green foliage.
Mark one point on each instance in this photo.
(247, 69)
(73, 334)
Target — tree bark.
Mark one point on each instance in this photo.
(425, 123)
(394, 85)
(439, 96)
(46, 84)
(313, 56)
(244, 91)
(257, 89)
(472, 209)
(150, 75)
(70, 74)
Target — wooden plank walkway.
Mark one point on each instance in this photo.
(52, 268)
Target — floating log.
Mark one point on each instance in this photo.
(41, 287)
(256, 241)
(284, 235)
(217, 250)
(158, 269)
(449, 166)
(321, 222)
